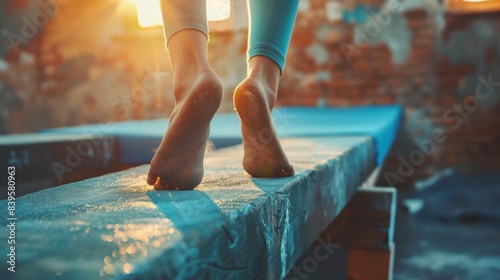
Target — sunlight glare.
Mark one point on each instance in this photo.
(149, 11)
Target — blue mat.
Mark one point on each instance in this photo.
(139, 139)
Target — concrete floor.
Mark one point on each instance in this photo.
(445, 251)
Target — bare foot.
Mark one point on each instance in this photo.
(178, 162)
(264, 156)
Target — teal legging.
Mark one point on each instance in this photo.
(271, 24)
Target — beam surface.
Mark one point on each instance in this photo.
(231, 227)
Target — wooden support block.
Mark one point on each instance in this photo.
(366, 226)
(366, 264)
(367, 221)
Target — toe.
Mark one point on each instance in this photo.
(287, 171)
(159, 186)
(152, 178)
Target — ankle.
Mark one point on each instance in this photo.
(265, 70)
(184, 83)
(188, 54)
(263, 73)
(188, 65)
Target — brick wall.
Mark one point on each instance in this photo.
(92, 57)
(413, 54)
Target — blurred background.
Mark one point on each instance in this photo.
(68, 62)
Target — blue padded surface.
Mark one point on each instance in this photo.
(139, 139)
(380, 122)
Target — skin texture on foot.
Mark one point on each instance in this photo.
(263, 153)
(178, 162)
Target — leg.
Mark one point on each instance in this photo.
(178, 162)
(271, 24)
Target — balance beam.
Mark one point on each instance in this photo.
(231, 227)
